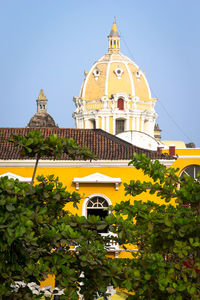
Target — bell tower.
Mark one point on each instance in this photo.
(41, 102)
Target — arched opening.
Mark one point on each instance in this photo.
(191, 170)
(98, 206)
(119, 126)
(120, 104)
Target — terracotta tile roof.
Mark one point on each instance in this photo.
(106, 146)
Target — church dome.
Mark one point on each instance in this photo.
(115, 95)
(41, 118)
(115, 73)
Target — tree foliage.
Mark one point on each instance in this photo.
(38, 237)
(167, 264)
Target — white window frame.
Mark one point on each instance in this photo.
(84, 207)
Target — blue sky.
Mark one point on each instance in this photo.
(49, 43)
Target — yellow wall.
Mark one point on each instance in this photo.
(66, 175)
(185, 157)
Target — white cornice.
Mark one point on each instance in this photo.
(15, 176)
(74, 164)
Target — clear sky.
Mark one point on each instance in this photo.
(49, 43)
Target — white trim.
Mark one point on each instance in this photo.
(15, 176)
(97, 178)
(86, 79)
(76, 164)
(146, 84)
(92, 196)
(107, 76)
(131, 78)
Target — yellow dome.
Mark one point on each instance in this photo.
(115, 73)
(115, 95)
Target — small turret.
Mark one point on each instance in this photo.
(42, 118)
(41, 102)
(157, 132)
(114, 39)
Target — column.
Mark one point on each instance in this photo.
(107, 123)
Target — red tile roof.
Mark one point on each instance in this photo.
(106, 146)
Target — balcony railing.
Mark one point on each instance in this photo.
(111, 245)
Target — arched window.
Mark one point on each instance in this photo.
(191, 170)
(120, 104)
(97, 206)
(119, 126)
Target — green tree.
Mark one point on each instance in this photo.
(37, 235)
(167, 236)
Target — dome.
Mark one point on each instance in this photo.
(41, 118)
(115, 73)
(115, 95)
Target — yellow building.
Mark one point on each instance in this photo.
(115, 99)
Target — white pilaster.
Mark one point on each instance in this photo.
(114, 130)
(107, 123)
(86, 124)
(133, 123)
(142, 124)
(127, 124)
(97, 121)
(102, 123)
(137, 123)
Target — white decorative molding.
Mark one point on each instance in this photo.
(78, 163)
(15, 176)
(107, 76)
(97, 178)
(131, 78)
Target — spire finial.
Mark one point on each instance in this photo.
(114, 20)
(41, 95)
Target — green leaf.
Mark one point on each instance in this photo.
(10, 207)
